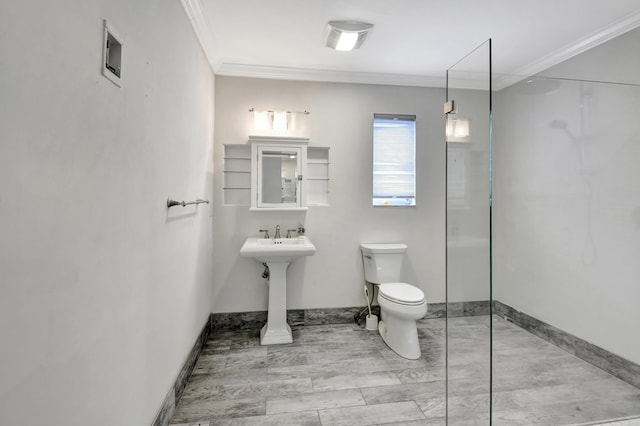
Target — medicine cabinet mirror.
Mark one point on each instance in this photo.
(277, 173)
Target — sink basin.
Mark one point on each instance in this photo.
(277, 250)
(277, 254)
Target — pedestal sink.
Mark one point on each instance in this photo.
(277, 254)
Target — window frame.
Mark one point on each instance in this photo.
(401, 197)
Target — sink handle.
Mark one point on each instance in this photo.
(266, 232)
(289, 231)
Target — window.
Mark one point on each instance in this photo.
(394, 160)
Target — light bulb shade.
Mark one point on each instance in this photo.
(458, 130)
(347, 35)
(280, 121)
(260, 120)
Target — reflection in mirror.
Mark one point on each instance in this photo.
(279, 177)
(277, 169)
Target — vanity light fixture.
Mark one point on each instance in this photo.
(280, 121)
(347, 35)
(273, 121)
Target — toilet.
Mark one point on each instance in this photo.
(401, 304)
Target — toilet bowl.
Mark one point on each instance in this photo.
(401, 304)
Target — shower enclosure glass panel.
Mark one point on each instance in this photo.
(468, 320)
(565, 249)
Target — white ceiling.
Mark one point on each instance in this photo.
(413, 41)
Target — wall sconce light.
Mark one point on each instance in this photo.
(457, 130)
(347, 35)
(270, 122)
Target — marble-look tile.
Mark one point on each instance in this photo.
(353, 381)
(167, 409)
(295, 317)
(436, 310)
(462, 309)
(372, 414)
(330, 316)
(238, 320)
(175, 393)
(315, 401)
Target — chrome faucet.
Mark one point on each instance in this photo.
(266, 232)
(277, 233)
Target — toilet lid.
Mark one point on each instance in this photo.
(401, 293)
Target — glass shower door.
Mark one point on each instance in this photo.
(468, 251)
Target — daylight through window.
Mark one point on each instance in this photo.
(394, 160)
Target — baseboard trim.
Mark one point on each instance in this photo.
(254, 320)
(175, 392)
(613, 364)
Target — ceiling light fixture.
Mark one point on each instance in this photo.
(347, 35)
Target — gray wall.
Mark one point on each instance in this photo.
(341, 118)
(567, 205)
(103, 292)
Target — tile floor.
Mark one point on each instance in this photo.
(345, 375)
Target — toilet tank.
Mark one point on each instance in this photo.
(382, 262)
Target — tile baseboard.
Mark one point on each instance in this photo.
(613, 364)
(175, 392)
(229, 321)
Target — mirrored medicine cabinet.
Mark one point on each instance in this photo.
(278, 173)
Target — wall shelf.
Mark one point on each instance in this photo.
(237, 176)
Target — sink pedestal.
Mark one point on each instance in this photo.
(277, 253)
(276, 331)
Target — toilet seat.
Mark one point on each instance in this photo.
(401, 293)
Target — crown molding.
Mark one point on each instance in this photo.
(596, 38)
(304, 74)
(193, 9)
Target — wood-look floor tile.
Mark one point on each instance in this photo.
(304, 418)
(187, 412)
(331, 372)
(372, 414)
(404, 392)
(356, 380)
(315, 401)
